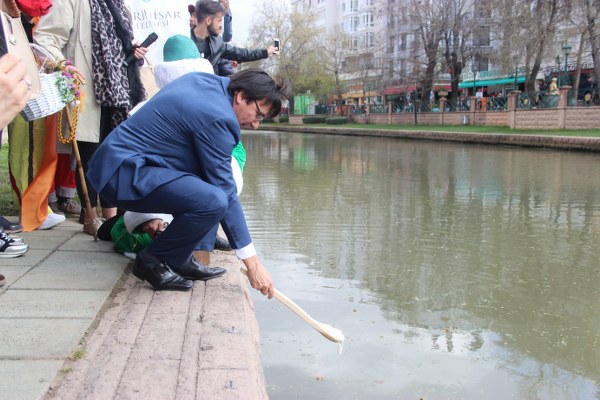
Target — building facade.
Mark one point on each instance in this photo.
(388, 52)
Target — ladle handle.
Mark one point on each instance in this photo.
(289, 303)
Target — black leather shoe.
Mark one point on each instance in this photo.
(222, 244)
(197, 272)
(158, 274)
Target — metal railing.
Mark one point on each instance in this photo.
(403, 107)
(378, 109)
(533, 100)
(524, 101)
(322, 109)
(495, 104)
(459, 105)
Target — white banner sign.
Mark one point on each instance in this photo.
(166, 18)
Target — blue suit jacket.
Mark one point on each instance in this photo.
(188, 127)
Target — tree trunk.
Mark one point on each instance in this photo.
(591, 17)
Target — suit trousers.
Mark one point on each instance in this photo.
(196, 206)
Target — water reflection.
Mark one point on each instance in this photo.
(478, 265)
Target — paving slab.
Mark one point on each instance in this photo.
(40, 338)
(62, 231)
(12, 273)
(51, 303)
(83, 270)
(84, 242)
(31, 258)
(26, 379)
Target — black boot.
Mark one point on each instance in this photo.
(195, 271)
(158, 274)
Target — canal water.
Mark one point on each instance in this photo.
(454, 271)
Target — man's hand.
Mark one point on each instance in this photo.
(259, 277)
(272, 50)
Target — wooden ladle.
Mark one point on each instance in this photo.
(328, 331)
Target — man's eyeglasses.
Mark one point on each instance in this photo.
(259, 114)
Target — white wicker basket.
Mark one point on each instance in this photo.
(49, 101)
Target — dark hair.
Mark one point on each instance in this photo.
(208, 8)
(258, 85)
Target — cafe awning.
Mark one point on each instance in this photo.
(491, 82)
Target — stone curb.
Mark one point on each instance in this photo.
(533, 140)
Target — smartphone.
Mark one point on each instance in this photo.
(276, 44)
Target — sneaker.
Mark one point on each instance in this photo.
(11, 240)
(69, 206)
(55, 208)
(51, 221)
(2, 280)
(7, 250)
(16, 239)
(10, 227)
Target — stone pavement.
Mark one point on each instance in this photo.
(74, 323)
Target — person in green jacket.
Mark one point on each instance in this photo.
(133, 231)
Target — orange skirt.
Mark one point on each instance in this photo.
(32, 165)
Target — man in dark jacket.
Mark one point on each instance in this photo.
(209, 25)
(225, 66)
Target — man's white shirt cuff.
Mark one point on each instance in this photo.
(246, 252)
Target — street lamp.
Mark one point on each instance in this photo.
(567, 50)
(474, 70)
(516, 72)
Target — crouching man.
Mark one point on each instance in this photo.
(173, 156)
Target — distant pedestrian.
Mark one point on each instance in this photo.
(553, 88)
(590, 90)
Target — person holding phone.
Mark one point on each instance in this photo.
(208, 18)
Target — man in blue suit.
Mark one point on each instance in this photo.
(173, 156)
